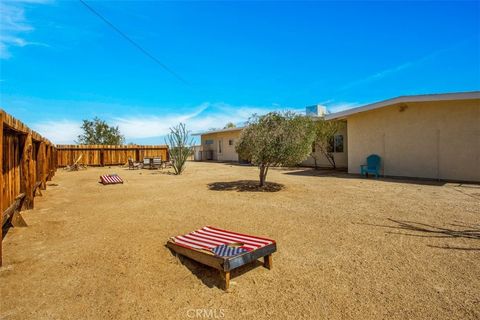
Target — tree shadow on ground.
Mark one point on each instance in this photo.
(155, 171)
(245, 186)
(209, 276)
(456, 230)
(342, 173)
(312, 172)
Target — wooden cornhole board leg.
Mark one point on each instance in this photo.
(268, 262)
(225, 276)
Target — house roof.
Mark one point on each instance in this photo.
(405, 99)
(218, 131)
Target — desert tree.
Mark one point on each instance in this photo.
(275, 139)
(97, 131)
(325, 131)
(180, 146)
(230, 125)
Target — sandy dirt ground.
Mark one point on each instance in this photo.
(348, 248)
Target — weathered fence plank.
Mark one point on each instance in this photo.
(26, 183)
(42, 164)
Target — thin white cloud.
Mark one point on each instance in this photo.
(149, 127)
(377, 76)
(140, 127)
(202, 118)
(59, 132)
(409, 64)
(14, 26)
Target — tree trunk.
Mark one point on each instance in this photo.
(331, 158)
(263, 175)
(332, 161)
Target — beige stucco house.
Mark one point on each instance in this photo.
(218, 145)
(435, 136)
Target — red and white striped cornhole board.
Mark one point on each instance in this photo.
(199, 245)
(110, 179)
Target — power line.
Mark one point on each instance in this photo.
(136, 45)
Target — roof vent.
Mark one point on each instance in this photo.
(316, 111)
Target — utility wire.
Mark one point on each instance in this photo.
(136, 45)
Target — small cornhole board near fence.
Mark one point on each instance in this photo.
(108, 155)
(201, 244)
(28, 161)
(110, 179)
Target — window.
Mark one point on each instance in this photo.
(313, 147)
(219, 146)
(339, 143)
(336, 144)
(230, 142)
(207, 142)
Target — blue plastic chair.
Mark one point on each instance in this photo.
(372, 166)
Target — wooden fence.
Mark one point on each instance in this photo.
(105, 155)
(28, 161)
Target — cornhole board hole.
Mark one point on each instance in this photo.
(110, 179)
(241, 249)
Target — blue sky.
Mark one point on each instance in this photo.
(60, 64)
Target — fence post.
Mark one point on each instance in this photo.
(38, 169)
(54, 161)
(31, 174)
(45, 166)
(41, 160)
(46, 172)
(49, 163)
(26, 185)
